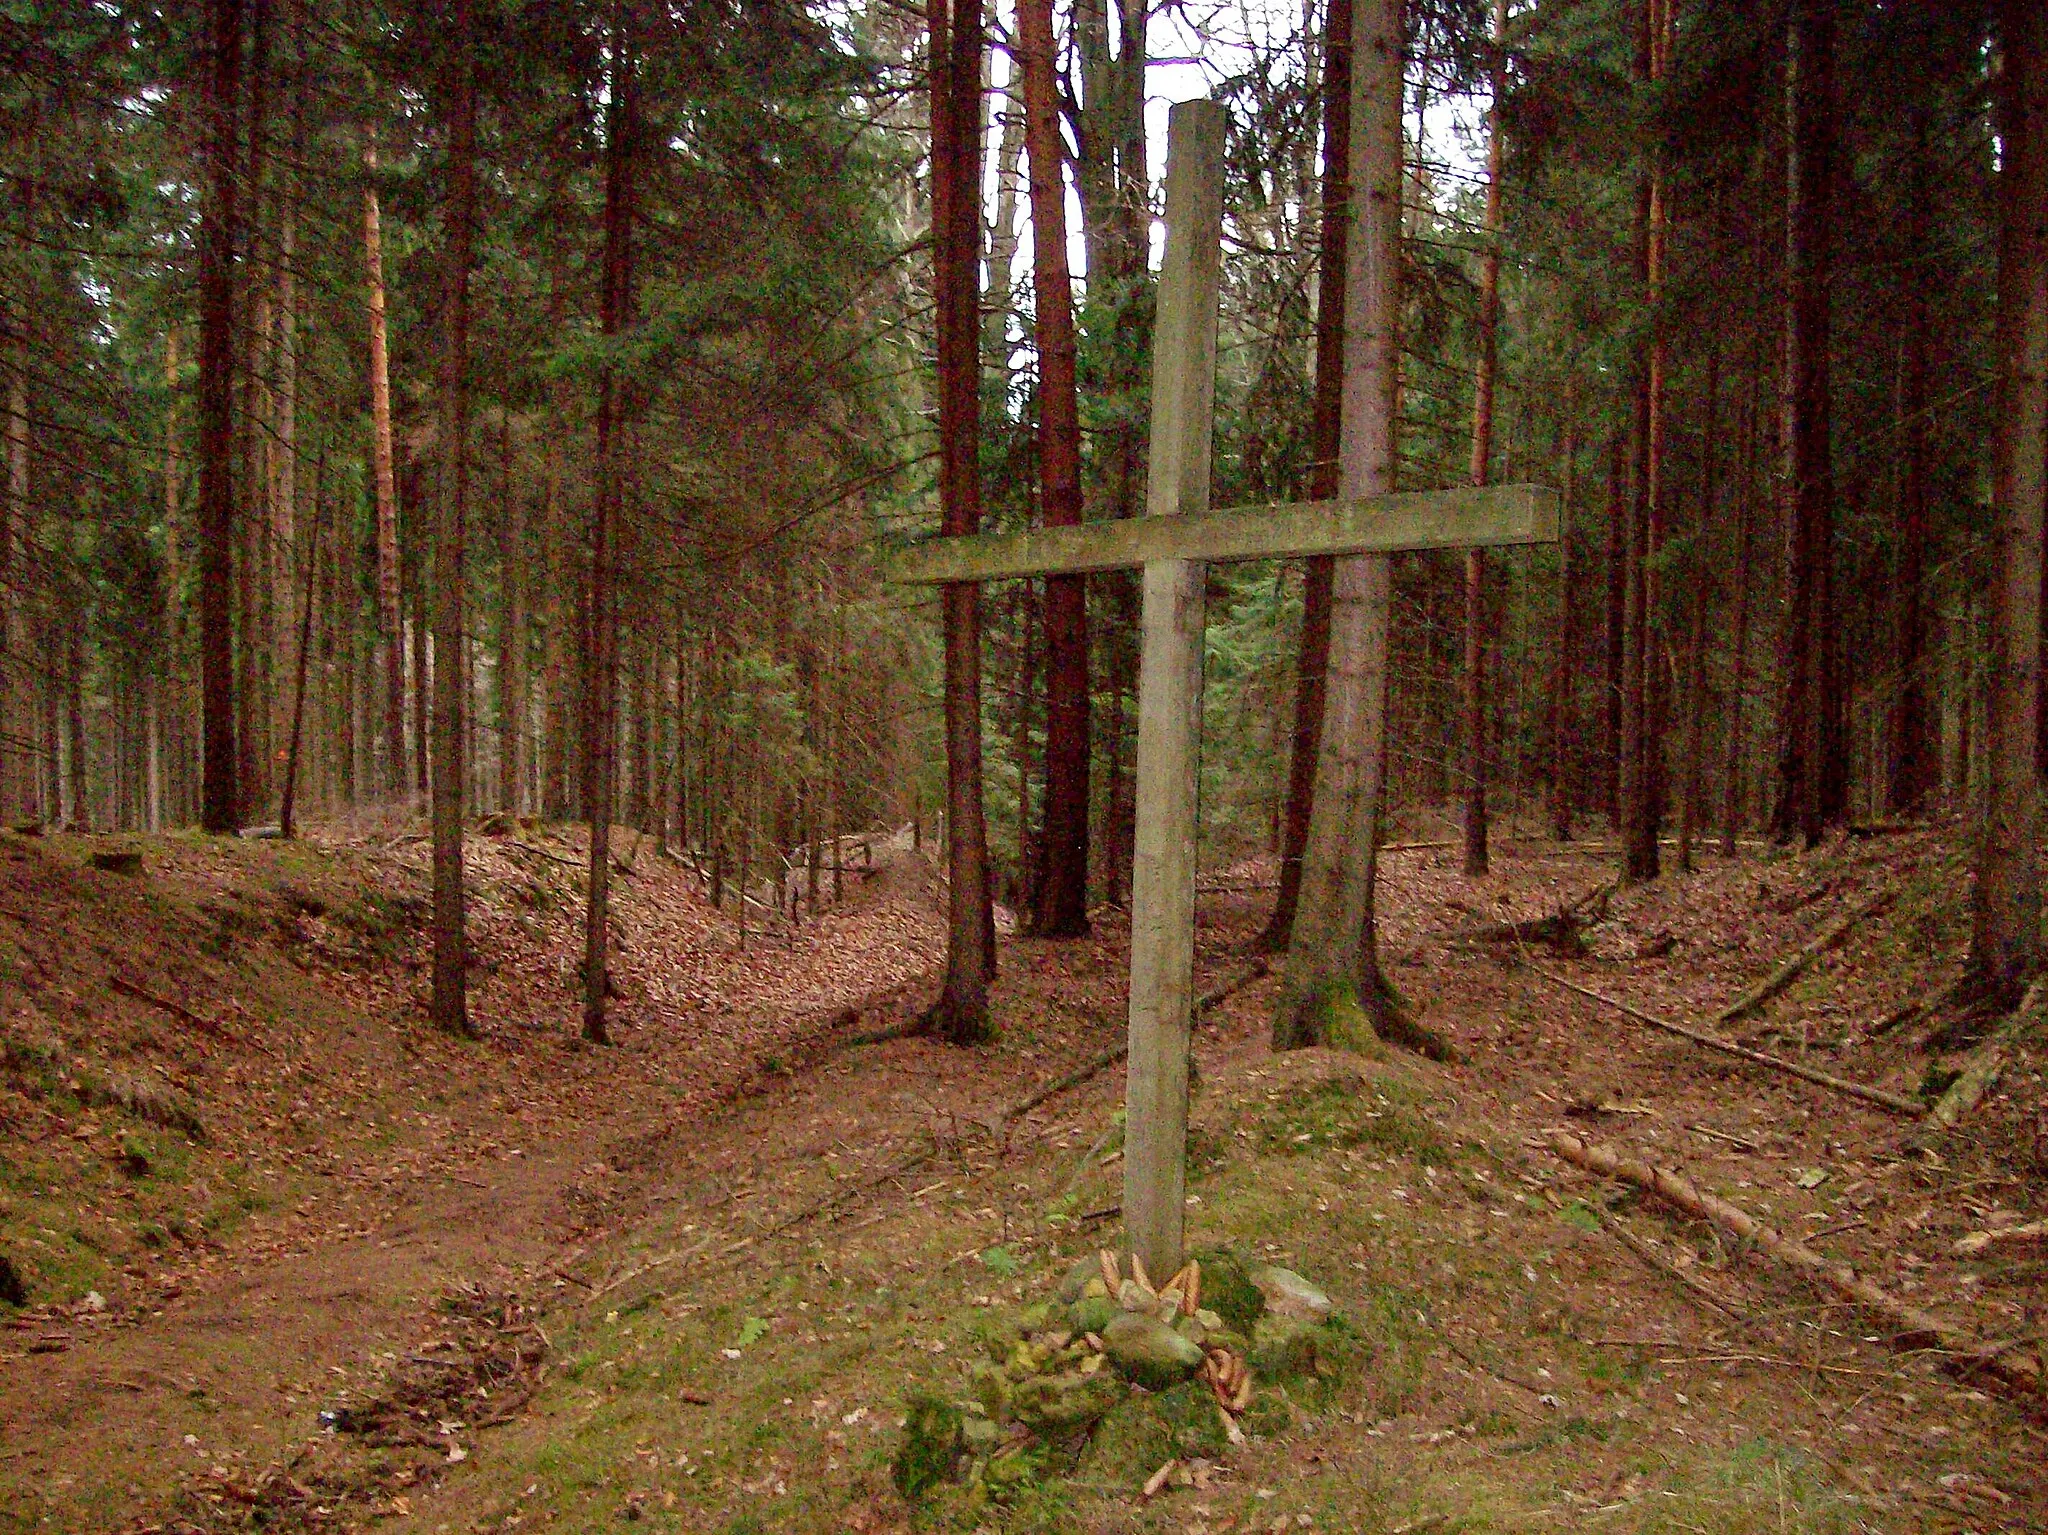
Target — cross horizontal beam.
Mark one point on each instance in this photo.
(1437, 519)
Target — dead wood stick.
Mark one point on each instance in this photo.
(177, 1010)
(1788, 970)
(1898, 1103)
(1107, 1058)
(1692, 1282)
(1983, 1241)
(1982, 1068)
(1912, 1327)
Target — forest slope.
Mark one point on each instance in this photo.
(716, 1312)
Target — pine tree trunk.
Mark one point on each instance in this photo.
(1914, 770)
(1696, 624)
(1313, 663)
(1812, 786)
(1563, 730)
(384, 479)
(1476, 614)
(2005, 932)
(450, 1006)
(960, 1016)
(1062, 885)
(1332, 985)
(287, 803)
(511, 634)
(17, 782)
(254, 428)
(1643, 716)
(601, 667)
(1738, 685)
(220, 811)
(1614, 627)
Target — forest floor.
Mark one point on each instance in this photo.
(295, 1261)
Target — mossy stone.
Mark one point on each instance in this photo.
(1227, 1289)
(1289, 1295)
(1146, 1431)
(993, 1390)
(1092, 1313)
(931, 1445)
(1150, 1352)
(1055, 1404)
(1283, 1346)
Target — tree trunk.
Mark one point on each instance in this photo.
(511, 633)
(450, 1007)
(2005, 932)
(1563, 677)
(1914, 768)
(252, 565)
(1062, 885)
(385, 482)
(960, 1016)
(1642, 718)
(1332, 989)
(1738, 685)
(1696, 624)
(1312, 666)
(1812, 786)
(287, 803)
(17, 782)
(999, 302)
(220, 811)
(1476, 615)
(1615, 630)
(601, 666)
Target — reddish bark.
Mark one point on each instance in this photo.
(1062, 884)
(960, 1015)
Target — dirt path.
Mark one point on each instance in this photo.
(431, 1166)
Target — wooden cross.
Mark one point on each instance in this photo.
(1176, 537)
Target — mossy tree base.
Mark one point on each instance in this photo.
(1329, 1013)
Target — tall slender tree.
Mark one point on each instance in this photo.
(1062, 884)
(450, 1007)
(1332, 985)
(220, 809)
(1477, 610)
(601, 649)
(2005, 931)
(1325, 426)
(960, 1015)
(384, 483)
(1812, 744)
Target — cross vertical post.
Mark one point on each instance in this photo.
(1170, 696)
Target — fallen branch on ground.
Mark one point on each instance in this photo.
(1898, 1103)
(1663, 1265)
(1788, 970)
(1559, 929)
(1095, 1064)
(1982, 1068)
(1979, 1242)
(1912, 1328)
(177, 1010)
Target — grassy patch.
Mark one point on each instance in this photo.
(1347, 1113)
